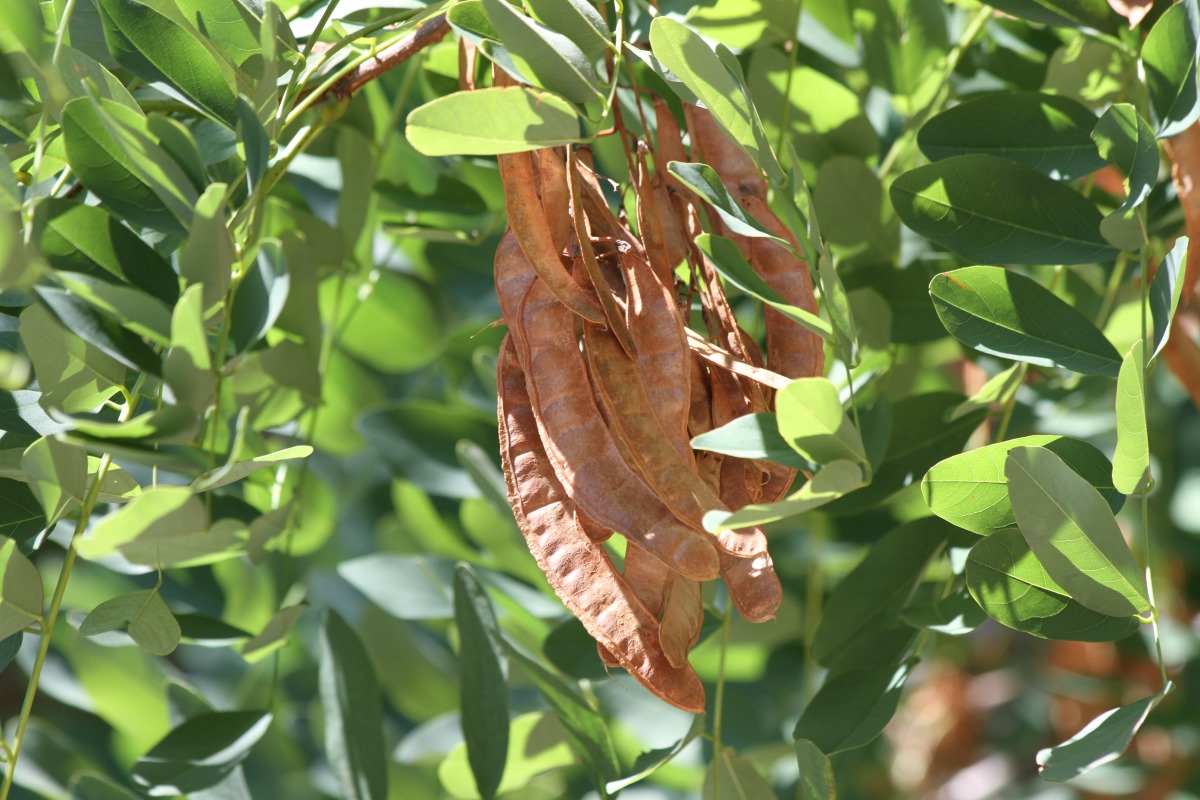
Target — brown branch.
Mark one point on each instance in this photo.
(713, 354)
(429, 32)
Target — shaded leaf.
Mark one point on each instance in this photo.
(74, 375)
(1165, 289)
(1050, 133)
(995, 211)
(552, 59)
(733, 776)
(1008, 582)
(852, 707)
(751, 436)
(1074, 534)
(20, 590)
(353, 713)
(816, 772)
(274, 634)
(704, 181)
(201, 752)
(1126, 141)
(1100, 741)
(649, 761)
(483, 685)
(150, 622)
(1169, 57)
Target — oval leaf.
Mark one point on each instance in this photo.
(1126, 141)
(20, 590)
(1005, 578)
(852, 707)
(1169, 57)
(1050, 133)
(1006, 314)
(751, 436)
(994, 211)
(483, 684)
(517, 119)
(812, 421)
(969, 490)
(353, 712)
(1131, 460)
(1102, 740)
(1074, 534)
(201, 752)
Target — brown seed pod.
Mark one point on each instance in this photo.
(527, 219)
(581, 448)
(675, 480)
(739, 174)
(753, 585)
(555, 195)
(578, 569)
(682, 619)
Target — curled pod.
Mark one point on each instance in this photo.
(578, 569)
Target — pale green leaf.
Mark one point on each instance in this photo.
(812, 420)
(518, 119)
(1131, 460)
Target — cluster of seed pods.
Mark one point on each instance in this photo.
(601, 393)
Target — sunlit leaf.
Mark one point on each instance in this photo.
(518, 119)
(1131, 460)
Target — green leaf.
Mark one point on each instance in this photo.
(1049, 133)
(855, 216)
(139, 312)
(274, 634)
(208, 631)
(733, 776)
(536, 745)
(1074, 534)
(150, 622)
(164, 526)
(1006, 314)
(729, 262)
(969, 490)
(585, 726)
(753, 436)
(1127, 141)
(101, 329)
(704, 181)
(921, 435)
(1008, 582)
(834, 480)
(901, 42)
(576, 19)
(89, 786)
(995, 211)
(208, 255)
(9, 647)
(21, 516)
(816, 772)
(1165, 289)
(1100, 741)
(871, 596)
(120, 160)
(518, 119)
(154, 41)
(230, 24)
(999, 390)
(74, 375)
(20, 590)
(187, 367)
(852, 707)
(709, 78)
(955, 614)
(353, 712)
(201, 752)
(483, 683)
(232, 473)
(260, 297)
(1169, 57)
(1131, 460)
(74, 237)
(551, 58)
(812, 421)
(1063, 13)
(648, 762)
(58, 474)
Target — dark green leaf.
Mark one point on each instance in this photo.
(1165, 289)
(920, 437)
(704, 181)
(150, 623)
(585, 726)
(1074, 534)
(260, 296)
(1006, 579)
(1050, 133)
(871, 596)
(995, 211)
(1126, 141)
(648, 762)
(88, 786)
(21, 516)
(1169, 57)
(353, 712)
(483, 687)
(970, 491)
(9, 647)
(205, 630)
(1063, 13)
(733, 776)
(1102, 740)
(954, 614)
(751, 436)
(201, 752)
(20, 590)
(852, 707)
(1003, 313)
(153, 41)
(101, 330)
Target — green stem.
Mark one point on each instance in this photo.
(1110, 293)
(719, 708)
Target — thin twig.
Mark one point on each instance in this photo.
(430, 32)
(710, 352)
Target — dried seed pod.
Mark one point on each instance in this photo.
(581, 448)
(792, 350)
(676, 481)
(527, 219)
(753, 585)
(578, 569)
(555, 195)
(651, 226)
(682, 619)
(739, 174)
